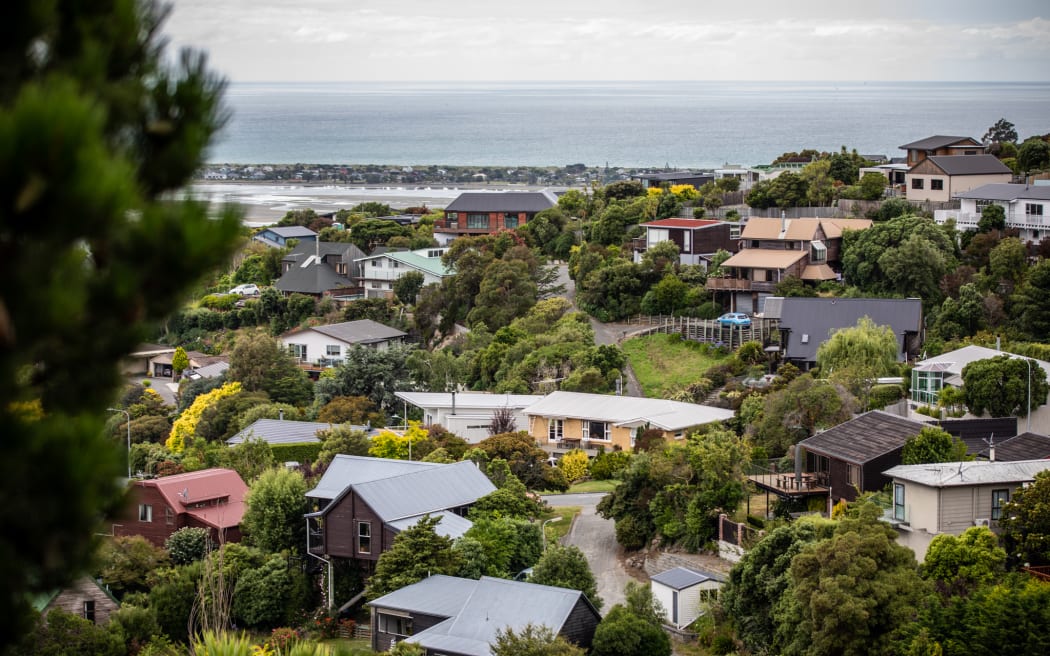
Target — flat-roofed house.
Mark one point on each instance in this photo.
(278, 236)
(940, 178)
(488, 212)
(469, 414)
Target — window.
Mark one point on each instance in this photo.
(145, 512)
(364, 537)
(734, 232)
(510, 221)
(169, 516)
(818, 252)
(452, 216)
(376, 263)
(298, 351)
(898, 502)
(478, 221)
(395, 624)
(981, 204)
(916, 183)
(969, 152)
(394, 264)
(853, 475)
(596, 430)
(999, 499)
(1033, 209)
(937, 184)
(332, 350)
(340, 268)
(555, 429)
(756, 243)
(89, 611)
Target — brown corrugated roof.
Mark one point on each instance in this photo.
(818, 272)
(833, 227)
(764, 258)
(761, 229)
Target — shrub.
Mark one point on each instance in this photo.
(187, 544)
(574, 465)
(302, 452)
(221, 302)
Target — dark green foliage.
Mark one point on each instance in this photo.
(1001, 131)
(623, 190)
(960, 564)
(260, 596)
(187, 544)
(527, 461)
(370, 233)
(1000, 386)
(1025, 523)
(417, 552)
(623, 633)
(892, 208)
(532, 640)
(793, 286)
(60, 633)
(135, 626)
(993, 217)
(566, 567)
(508, 545)
(303, 452)
(97, 124)
(932, 445)
(407, 287)
(341, 440)
(1034, 154)
(1032, 302)
(221, 420)
(172, 600)
(795, 411)
(276, 504)
(608, 465)
(368, 372)
(262, 364)
(124, 563)
(881, 396)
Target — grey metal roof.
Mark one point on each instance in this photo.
(291, 232)
(425, 491)
(362, 331)
(817, 318)
(864, 438)
(935, 142)
(503, 201)
(954, 361)
(680, 578)
(626, 410)
(673, 175)
(1006, 191)
(476, 610)
(281, 431)
(954, 474)
(212, 370)
(969, 164)
(451, 524)
(468, 400)
(314, 278)
(1026, 446)
(345, 471)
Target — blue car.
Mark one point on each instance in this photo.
(734, 319)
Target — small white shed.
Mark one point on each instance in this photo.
(681, 590)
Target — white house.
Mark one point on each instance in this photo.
(929, 376)
(950, 497)
(1027, 208)
(378, 272)
(682, 591)
(468, 414)
(327, 346)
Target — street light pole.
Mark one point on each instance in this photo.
(1028, 409)
(543, 529)
(128, 416)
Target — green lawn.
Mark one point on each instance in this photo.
(557, 530)
(592, 486)
(662, 364)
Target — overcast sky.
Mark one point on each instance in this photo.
(477, 40)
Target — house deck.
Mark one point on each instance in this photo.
(788, 485)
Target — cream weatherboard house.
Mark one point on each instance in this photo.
(327, 346)
(950, 497)
(1027, 209)
(941, 178)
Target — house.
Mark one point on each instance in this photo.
(697, 239)
(774, 249)
(896, 173)
(212, 370)
(563, 421)
(138, 361)
(941, 178)
(286, 431)
(681, 592)
(851, 457)
(1026, 446)
(451, 616)
(673, 178)
(468, 414)
(160, 365)
(379, 272)
(488, 212)
(806, 323)
(209, 498)
(362, 503)
(950, 497)
(321, 268)
(84, 597)
(939, 145)
(931, 375)
(327, 346)
(278, 236)
(1027, 208)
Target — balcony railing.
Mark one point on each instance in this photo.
(739, 285)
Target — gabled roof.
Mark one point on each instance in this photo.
(183, 490)
(1026, 446)
(345, 471)
(938, 141)
(290, 232)
(968, 164)
(818, 318)
(362, 331)
(413, 494)
(484, 607)
(503, 201)
(954, 474)
(799, 229)
(627, 410)
(688, 224)
(1007, 191)
(451, 525)
(281, 431)
(680, 578)
(314, 278)
(765, 258)
(416, 260)
(468, 400)
(864, 438)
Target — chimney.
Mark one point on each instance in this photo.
(783, 221)
(453, 402)
(280, 414)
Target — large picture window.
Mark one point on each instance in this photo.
(1033, 209)
(395, 624)
(596, 430)
(478, 221)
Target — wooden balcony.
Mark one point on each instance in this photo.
(739, 285)
(788, 485)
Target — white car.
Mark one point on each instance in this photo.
(247, 289)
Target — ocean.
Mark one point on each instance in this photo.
(622, 124)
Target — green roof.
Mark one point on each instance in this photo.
(431, 265)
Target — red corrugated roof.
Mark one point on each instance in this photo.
(182, 490)
(681, 223)
(226, 515)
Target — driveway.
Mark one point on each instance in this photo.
(596, 538)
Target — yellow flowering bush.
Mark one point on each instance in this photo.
(574, 465)
(185, 426)
(389, 444)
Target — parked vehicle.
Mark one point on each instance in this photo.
(734, 319)
(247, 289)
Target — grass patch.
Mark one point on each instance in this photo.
(557, 530)
(593, 486)
(349, 647)
(662, 363)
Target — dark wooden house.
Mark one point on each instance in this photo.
(452, 616)
(697, 239)
(209, 498)
(852, 456)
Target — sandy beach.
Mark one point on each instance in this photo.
(266, 202)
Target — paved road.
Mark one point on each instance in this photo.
(596, 538)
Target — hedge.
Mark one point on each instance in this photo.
(299, 452)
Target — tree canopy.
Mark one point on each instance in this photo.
(566, 567)
(933, 444)
(1001, 386)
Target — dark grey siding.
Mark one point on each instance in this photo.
(580, 625)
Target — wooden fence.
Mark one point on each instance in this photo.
(709, 331)
(737, 534)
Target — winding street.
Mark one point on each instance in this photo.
(596, 538)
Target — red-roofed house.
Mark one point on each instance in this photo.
(210, 498)
(697, 239)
